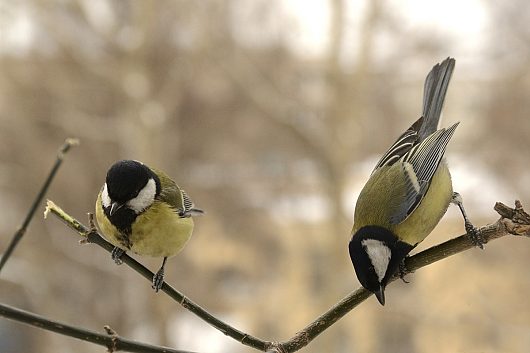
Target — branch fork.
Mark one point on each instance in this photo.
(513, 221)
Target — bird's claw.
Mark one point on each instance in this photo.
(158, 280)
(475, 235)
(116, 255)
(402, 271)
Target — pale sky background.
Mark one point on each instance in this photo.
(309, 21)
(462, 22)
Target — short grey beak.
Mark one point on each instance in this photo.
(114, 207)
(380, 294)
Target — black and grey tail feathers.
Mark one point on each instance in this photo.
(435, 89)
(434, 92)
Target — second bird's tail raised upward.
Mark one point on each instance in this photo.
(434, 91)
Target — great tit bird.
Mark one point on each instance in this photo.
(407, 193)
(141, 209)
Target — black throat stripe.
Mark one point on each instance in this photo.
(122, 220)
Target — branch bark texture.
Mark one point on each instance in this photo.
(110, 340)
(92, 236)
(514, 221)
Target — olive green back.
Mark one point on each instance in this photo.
(171, 192)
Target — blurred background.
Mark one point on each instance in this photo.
(271, 114)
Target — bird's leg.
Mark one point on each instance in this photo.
(116, 255)
(158, 278)
(473, 233)
(402, 270)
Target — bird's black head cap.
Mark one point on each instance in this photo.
(376, 253)
(126, 178)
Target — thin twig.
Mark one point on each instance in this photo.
(92, 236)
(69, 143)
(112, 341)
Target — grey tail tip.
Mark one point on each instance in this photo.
(380, 295)
(196, 212)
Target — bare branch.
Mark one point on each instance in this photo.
(513, 221)
(92, 236)
(69, 143)
(110, 340)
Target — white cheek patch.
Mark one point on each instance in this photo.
(105, 199)
(145, 197)
(379, 255)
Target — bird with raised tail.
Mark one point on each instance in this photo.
(407, 193)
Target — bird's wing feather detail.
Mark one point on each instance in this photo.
(186, 201)
(411, 197)
(177, 198)
(403, 144)
(419, 165)
(189, 207)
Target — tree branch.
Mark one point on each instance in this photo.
(513, 221)
(68, 143)
(92, 236)
(110, 340)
